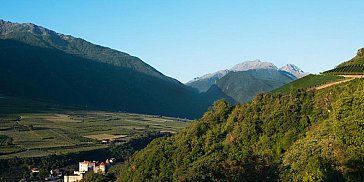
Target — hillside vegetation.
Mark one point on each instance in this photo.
(355, 66)
(38, 36)
(299, 136)
(307, 82)
(355, 69)
(358, 59)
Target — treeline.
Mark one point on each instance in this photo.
(299, 136)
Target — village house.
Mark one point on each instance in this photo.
(85, 167)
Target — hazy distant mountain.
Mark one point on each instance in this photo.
(243, 86)
(39, 63)
(205, 82)
(294, 70)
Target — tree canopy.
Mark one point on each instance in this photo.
(300, 136)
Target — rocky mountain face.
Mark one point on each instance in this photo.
(251, 65)
(294, 70)
(38, 63)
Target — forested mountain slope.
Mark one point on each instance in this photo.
(299, 136)
(37, 63)
(38, 36)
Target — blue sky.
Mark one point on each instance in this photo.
(187, 38)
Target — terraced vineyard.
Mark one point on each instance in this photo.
(357, 69)
(307, 82)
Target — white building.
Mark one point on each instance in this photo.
(87, 166)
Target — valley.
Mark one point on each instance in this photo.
(66, 101)
(63, 132)
(48, 136)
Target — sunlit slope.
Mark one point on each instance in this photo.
(301, 136)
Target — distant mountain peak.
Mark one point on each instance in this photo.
(204, 82)
(294, 70)
(255, 64)
(291, 67)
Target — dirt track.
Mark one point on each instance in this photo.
(348, 78)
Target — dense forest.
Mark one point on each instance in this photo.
(299, 136)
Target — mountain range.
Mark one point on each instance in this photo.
(38, 63)
(204, 82)
(245, 80)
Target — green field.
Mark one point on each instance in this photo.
(61, 131)
(307, 82)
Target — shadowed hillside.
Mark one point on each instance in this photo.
(38, 63)
(42, 73)
(243, 86)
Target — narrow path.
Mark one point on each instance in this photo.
(348, 78)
